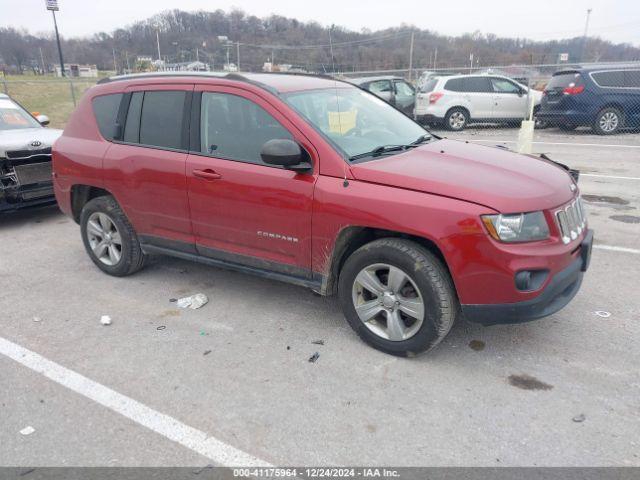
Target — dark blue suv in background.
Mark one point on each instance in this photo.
(605, 99)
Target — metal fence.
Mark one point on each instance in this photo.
(56, 98)
(609, 96)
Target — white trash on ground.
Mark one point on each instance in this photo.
(37, 319)
(105, 320)
(193, 301)
(603, 314)
(27, 430)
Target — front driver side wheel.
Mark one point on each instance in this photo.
(397, 296)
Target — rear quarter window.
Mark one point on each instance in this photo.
(610, 79)
(632, 79)
(429, 86)
(454, 85)
(105, 109)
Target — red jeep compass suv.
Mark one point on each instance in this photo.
(316, 182)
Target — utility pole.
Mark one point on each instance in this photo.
(42, 61)
(53, 6)
(115, 65)
(584, 36)
(126, 56)
(411, 56)
(158, 44)
(435, 59)
(197, 55)
(238, 54)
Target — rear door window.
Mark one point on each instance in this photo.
(105, 108)
(477, 85)
(161, 119)
(610, 79)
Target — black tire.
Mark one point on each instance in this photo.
(608, 121)
(456, 119)
(567, 127)
(538, 124)
(132, 258)
(432, 279)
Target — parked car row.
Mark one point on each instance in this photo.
(605, 99)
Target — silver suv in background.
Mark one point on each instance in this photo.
(458, 100)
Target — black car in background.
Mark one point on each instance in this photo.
(605, 99)
(395, 90)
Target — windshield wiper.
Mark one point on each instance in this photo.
(421, 139)
(382, 149)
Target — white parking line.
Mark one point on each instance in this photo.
(618, 249)
(608, 176)
(200, 442)
(555, 143)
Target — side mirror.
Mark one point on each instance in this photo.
(42, 120)
(284, 153)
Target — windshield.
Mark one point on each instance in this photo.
(13, 117)
(356, 122)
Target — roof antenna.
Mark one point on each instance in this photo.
(345, 183)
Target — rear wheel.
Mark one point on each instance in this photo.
(109, 238)
(456, 119)
(397, 296)
(608, 121)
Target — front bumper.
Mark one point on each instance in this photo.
(556, 295)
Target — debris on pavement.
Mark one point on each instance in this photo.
(579, 418)
(318, 342)
(27, 430)
(288, 347)
(206, 352)
(194, 301)
(105, 320)
(37, 319)
(313, 358)
(161, 327)
(602, 313)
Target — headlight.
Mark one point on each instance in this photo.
(519, 227)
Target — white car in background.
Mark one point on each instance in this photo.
(458, 100)
(25, 157)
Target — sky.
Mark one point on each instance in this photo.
(615, 20)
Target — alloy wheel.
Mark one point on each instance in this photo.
(457, 120)
(104, 238)
(388, 302)
(609, 122)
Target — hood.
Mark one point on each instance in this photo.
(21, 139)
(502, 180)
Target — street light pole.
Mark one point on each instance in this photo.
(55, 25)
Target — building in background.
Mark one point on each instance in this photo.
(77, 70)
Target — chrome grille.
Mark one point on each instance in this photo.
(572, 220)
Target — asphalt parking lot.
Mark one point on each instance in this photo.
(233, 378)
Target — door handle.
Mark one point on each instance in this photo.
(207, 174)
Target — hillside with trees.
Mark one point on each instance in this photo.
(185, 36)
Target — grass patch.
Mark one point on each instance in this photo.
(47, 95)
